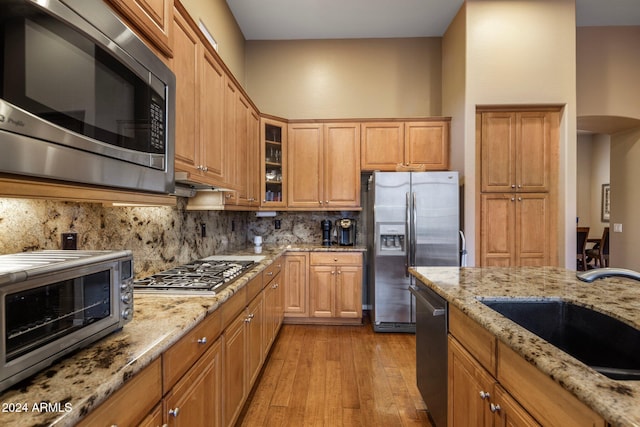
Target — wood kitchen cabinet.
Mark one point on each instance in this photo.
(121, 408)
(518, 157)
(491, 385)
(405, 145)
(335, 285)
(273, 303)
(273, 163)
(323, 165)
(296, 279)
(153, 18)
(516, 229)
(197, 397)
(244, 152)
(517, 150)
(200, 90)
(247, 340)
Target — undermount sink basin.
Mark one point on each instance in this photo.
(607, 345)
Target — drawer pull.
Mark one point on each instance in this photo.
(484, 395)
(174, 412)
(494, 408)
(269, 273)
(202, 340)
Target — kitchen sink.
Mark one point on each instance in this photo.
(607, 345)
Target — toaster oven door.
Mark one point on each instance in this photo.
(48, 316)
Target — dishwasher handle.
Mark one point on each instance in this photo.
(435, 311)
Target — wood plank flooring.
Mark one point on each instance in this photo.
(337, 376)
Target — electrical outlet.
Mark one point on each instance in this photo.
(233, 225)
(69, 241)
(277, 224)
(203, 230)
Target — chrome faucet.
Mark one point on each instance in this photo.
(600, 273)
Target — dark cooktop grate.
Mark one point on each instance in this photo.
(196, 276)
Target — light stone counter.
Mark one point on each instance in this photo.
(618, 402)
(78, 383)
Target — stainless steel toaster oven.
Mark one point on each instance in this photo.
(54, 302)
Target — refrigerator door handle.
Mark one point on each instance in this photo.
(407, 233)
(414, 226)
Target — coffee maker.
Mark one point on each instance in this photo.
(326, 232)
(346, 228)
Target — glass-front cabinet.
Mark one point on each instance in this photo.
(273, 165)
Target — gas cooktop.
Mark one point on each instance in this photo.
(208, 275)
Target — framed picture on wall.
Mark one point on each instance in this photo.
(606, 202)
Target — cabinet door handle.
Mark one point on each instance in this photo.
(174, 412)
(513, 186)
(484, 395)
(202, 340)
(494, 408)
(269, 273)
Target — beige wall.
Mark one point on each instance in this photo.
(608, 68)
(454, 86)
(625, 202)
(217, 17)
(608, 93)
(521, 52)
(304, 79)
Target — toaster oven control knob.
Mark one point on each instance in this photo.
(126, 313)
(126, 298)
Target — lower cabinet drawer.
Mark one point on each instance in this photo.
(123, 410)
(183, 354)
(335, 258)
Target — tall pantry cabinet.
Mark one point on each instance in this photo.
(518, 164)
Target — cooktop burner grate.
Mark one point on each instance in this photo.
(197, 276)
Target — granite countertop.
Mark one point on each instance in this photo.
(618, 402)
(78, 383)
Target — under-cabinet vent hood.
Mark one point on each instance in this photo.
(187, 187)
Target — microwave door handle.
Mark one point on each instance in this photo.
(407, 233)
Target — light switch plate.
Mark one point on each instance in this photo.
(617, 228)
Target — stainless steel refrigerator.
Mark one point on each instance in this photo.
(414, 219)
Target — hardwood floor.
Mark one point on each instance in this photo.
(337, 376)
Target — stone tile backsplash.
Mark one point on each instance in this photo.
(159, 237)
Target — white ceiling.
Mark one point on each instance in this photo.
(335, 19)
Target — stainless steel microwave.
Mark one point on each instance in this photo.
(54, 302)
(82, 99)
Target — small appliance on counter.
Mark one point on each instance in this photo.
(326, 232)
(346, 228)
(54, 302)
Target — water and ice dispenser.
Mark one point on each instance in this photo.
(391, 239)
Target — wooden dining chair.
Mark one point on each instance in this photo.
(581, 254)
(600, 252)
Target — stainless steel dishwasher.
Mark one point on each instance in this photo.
(431, 351)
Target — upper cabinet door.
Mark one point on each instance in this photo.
(498, 135)
(427, 143)
(341, 164)
(153, 18)
(212, 93)
(185, 65)
(382, 146)
(305, 165)
(516, 149)
(533, 150)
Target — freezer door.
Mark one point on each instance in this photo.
(436, 218)
(391, 298)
